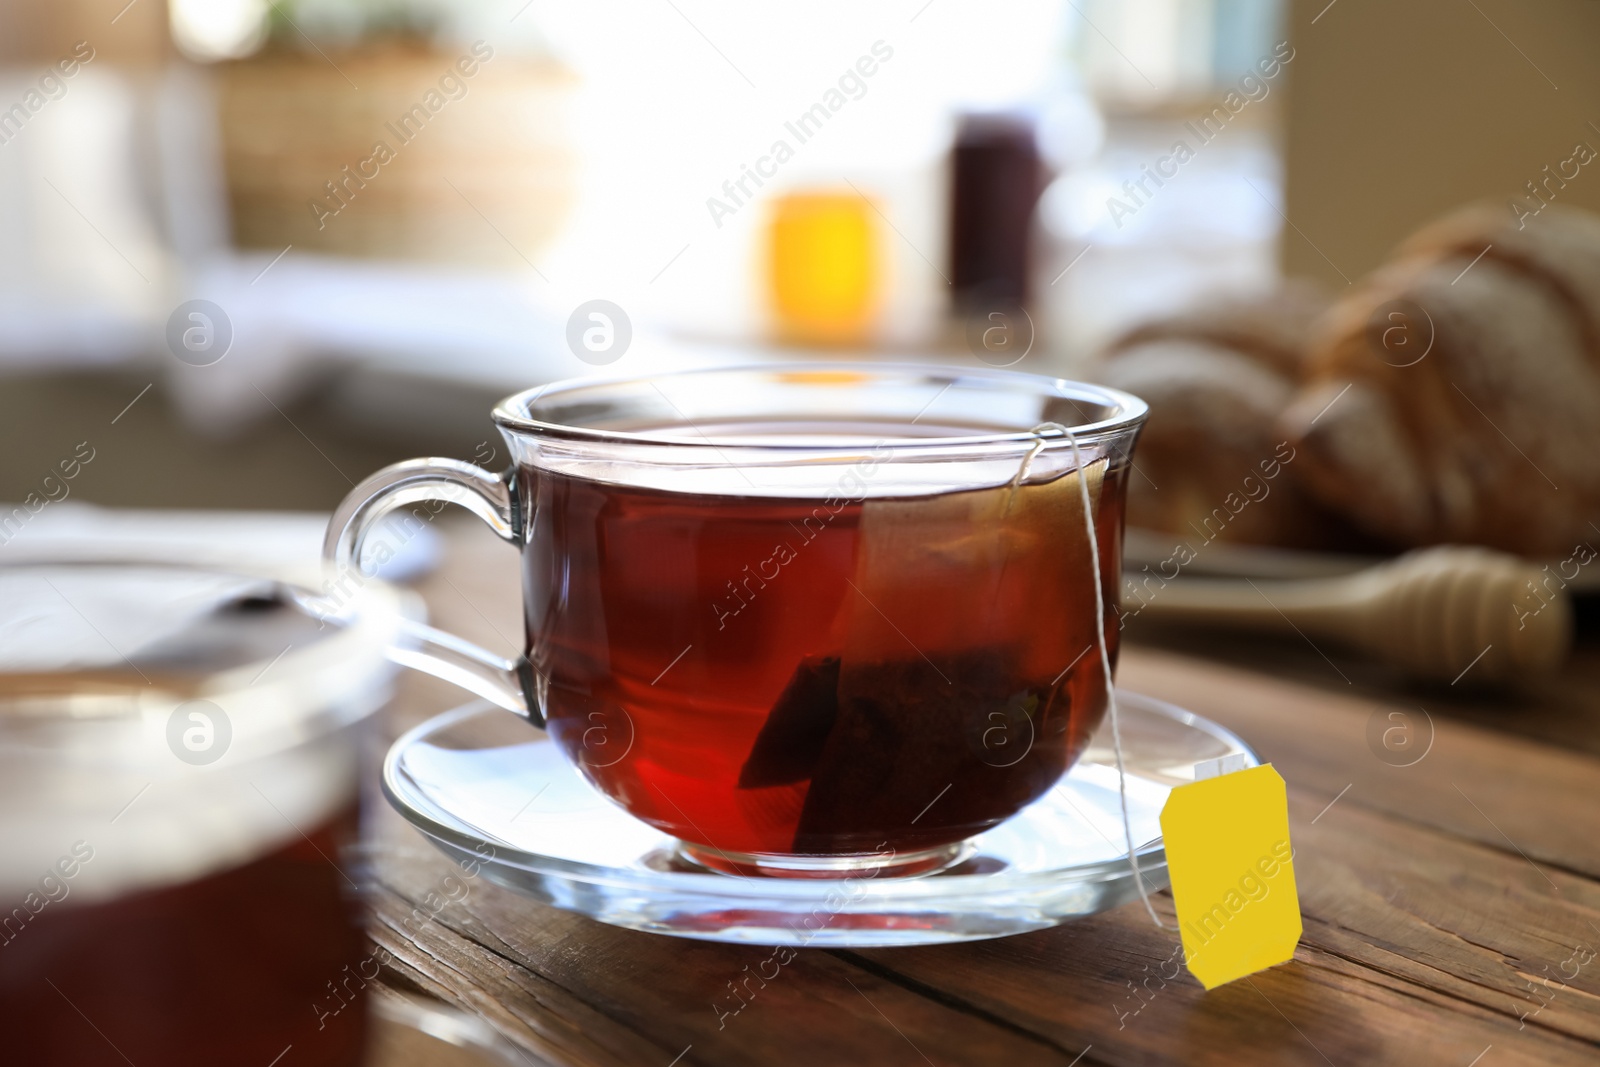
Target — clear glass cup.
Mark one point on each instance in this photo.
(806, 619)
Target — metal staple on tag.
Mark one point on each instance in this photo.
(1216, 768)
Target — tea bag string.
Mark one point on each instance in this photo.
(1100, 639)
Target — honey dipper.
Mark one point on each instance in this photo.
(1433, 612)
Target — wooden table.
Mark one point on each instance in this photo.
(1442, 903)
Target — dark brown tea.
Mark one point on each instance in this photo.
(849, 675)
(241, 966)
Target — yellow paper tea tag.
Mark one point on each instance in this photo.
(1228, 855)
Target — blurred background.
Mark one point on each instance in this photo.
(395, 206)
(250, 252)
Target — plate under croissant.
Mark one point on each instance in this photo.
(485, 787)
(1144, 547)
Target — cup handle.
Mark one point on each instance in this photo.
(507, 683)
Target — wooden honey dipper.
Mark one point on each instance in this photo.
(1433, 611)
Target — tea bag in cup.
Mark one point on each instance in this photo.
(963, 611)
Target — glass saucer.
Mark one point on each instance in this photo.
(486, 787)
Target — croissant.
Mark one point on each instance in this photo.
(1455, 397)
(1211, 464)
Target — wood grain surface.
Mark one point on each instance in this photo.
(1447, 903)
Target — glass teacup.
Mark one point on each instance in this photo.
(806, 619)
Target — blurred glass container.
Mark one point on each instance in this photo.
(996, 177)
(823, 267)
(179, 790)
